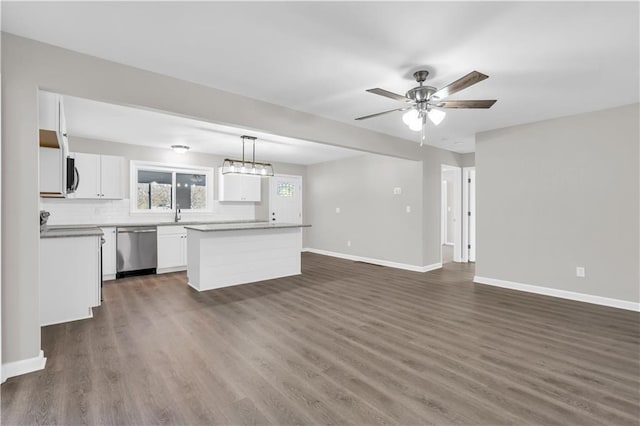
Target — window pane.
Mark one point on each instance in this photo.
(154, 190)
(191, 191)
(285, 189)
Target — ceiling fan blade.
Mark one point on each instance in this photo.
(468, 80)
(381, 113)
(388, 94)
(467, 104)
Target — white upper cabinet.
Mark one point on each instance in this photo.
(111, 172)
(100, 176)
(238, 187)
(53, 145)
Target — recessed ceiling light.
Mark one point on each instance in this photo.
(180, 149)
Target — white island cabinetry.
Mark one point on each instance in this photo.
(172, 249)
(229, 254)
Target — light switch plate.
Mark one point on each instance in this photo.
(580, 273)
(337, 209)
(397, 190)
(408, 209)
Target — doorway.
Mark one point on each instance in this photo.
(451, 207)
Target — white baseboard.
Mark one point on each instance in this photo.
(562, 294)
(171, 269)
(380, 262)
(24, 366)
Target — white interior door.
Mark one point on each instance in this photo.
(285, 199)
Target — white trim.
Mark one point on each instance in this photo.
(562, 294)
(171, 269)
(380, 262)
(24, 366)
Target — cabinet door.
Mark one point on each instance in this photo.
(184, 249)
(48, 111)
(238, 187)
(88, 166)
(229, 187)
(170, 249)
(251, 188)
(51, 184)
(111, 170)
(109, 254)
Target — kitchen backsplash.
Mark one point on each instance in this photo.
(84, 212)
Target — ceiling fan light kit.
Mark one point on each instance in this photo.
(246, 167)
(426, 101)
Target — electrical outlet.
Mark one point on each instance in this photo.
(348, 243)
(408, 209)
(397, 190)
(580, 271)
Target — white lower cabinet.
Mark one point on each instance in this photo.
(69, 278)
(109, 254)
(172, 249)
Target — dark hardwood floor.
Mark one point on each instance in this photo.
(344, 343)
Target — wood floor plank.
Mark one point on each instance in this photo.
(343, 343)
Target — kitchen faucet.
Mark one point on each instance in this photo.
(177, 217)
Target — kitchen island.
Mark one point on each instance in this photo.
(222, 255)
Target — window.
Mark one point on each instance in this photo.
(285, 189)
(159, 188)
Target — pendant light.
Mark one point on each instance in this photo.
(246, 167)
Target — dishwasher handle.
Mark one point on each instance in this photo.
(135, 231)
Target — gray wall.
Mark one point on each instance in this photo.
(371, 216)
(558, 194)
(28, 65)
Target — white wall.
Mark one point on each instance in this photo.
(558, 194)
(70, 211)
(371, 216)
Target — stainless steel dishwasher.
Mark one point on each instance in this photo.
(136, 248)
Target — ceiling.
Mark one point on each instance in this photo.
(98, 120)
(544, 59)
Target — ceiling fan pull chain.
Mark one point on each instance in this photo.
(424, 127)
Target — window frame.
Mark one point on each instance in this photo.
(173, 169)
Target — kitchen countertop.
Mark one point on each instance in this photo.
(84, 231)
(117, 225)
(244, 226)
(60, 231)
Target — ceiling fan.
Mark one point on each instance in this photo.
(425, 101)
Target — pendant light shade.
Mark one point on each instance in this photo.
(436, 115)
(412, 119)
(246, 167)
